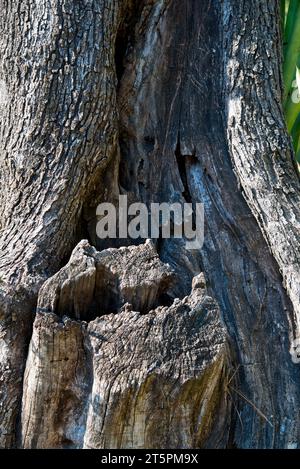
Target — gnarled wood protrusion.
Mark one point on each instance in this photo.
(124, 380)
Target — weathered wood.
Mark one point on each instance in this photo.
(124, 380)
(196, 117)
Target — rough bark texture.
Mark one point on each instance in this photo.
(164, 101)
(58, 132)
(116, 381)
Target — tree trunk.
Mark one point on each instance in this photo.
(150, 345)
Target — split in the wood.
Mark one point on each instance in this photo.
(126, 380)
(96, 283)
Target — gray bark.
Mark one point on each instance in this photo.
(195, 115)
(154, 380)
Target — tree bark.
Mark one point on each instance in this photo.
(58, 132)
(164, 101)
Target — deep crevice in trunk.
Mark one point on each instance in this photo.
(168, 98)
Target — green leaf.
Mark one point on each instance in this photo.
(292, 50)
(283, 13)
(298, 77)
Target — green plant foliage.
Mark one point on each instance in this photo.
(291, 69)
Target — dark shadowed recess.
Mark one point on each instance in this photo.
(170, 60)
